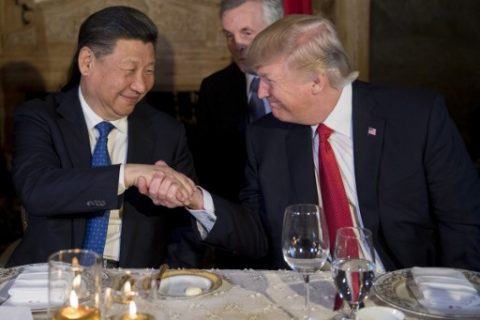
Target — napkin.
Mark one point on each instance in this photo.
(31, 286)
(15, 313)
(446, 291)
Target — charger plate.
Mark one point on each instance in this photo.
(188, 283)
(396, 289)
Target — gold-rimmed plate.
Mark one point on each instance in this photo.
(188, 283)
(393, 288)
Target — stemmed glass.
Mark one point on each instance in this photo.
(353, 267)
(305, 242)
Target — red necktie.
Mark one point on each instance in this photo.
(334, 198)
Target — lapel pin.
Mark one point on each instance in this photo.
(372, 131)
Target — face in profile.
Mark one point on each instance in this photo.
(114, 83)
(240, 26)
(292, 95)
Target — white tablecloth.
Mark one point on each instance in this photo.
(247, 294)
(250, 294)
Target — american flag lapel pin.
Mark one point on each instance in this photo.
(372, 131)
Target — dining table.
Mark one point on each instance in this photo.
(253, 295)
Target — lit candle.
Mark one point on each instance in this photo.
(133, 315)
(128, 294)
(75, 311)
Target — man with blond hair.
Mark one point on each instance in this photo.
(402, 166)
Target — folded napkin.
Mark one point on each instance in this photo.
(15, 313)
(446, 290)
(30, 287)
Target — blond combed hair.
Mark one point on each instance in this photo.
(309, 43)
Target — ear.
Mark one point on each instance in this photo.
(85, 60)
(319, 81)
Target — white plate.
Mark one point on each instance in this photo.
(188, 283)
(392, 289)
(380, 313)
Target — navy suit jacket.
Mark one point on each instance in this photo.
(418, 190)
(219, 147)
(59, 190)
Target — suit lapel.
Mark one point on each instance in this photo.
(300, 163)
(75, 134)
(368, 132)
(74, 130)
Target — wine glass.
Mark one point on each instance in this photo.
(305, 242)
(353, 267)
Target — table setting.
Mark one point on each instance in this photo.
(74, 285)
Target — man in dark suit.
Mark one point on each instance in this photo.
(222, 111)
(112, 70)
(404, 169)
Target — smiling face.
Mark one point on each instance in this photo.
(240, 26)
(114, 83)
(296, 97)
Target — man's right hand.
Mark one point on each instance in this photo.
(161, 183)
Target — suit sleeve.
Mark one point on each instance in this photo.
(454, 189)
(238, 227)
(44, 175)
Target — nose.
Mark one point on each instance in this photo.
(239, 44)
(263, 89)
(139, 84)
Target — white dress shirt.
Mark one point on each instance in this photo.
(341, 140)
(117, 149)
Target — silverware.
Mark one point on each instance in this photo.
(4, 296)
(157, 278)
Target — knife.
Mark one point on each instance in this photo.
(4, 296)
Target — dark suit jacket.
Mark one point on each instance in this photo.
(417, 188)
(219, 147)
(57, 187)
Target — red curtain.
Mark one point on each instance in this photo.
(297, 6)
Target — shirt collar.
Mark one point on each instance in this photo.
(92, 119)
(340, 119)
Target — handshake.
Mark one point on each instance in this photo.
(165, 186)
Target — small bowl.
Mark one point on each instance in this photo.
(380, 313)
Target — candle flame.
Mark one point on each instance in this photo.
(77, 281)
(73, 299)
(75, 262)
(127, 287)
(132, 310)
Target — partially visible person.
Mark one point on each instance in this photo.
(402, 168)
(56, 145)
(10, 214)
(223, 110)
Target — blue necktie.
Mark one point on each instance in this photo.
(255, 104)
(96, 226)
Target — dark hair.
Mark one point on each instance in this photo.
(101, 30)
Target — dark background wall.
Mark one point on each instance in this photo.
(433, 44)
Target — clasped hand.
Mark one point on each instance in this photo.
(162, 184)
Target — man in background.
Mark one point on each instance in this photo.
(84, 157)
(223, 109)
(227, 104)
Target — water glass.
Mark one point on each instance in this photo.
(74, 285)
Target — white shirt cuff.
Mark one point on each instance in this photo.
(206, 218)
(121, 180)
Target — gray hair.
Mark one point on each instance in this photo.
(272, 9)
(309, 43)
